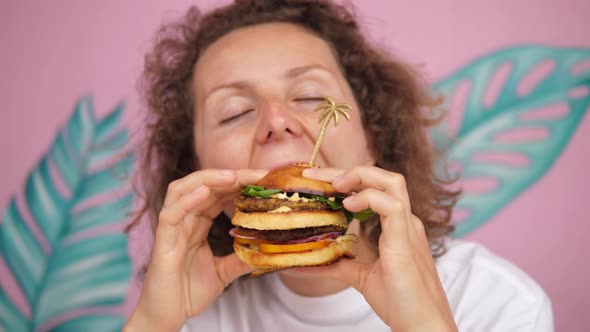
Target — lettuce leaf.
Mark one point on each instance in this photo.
(336, 204)
(259, 191)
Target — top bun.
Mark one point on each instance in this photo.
(289, 179)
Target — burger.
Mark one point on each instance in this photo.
(286, 221)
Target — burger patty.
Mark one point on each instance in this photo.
(256, 204)
(290, 234)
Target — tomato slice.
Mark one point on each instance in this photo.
(241, 240)
(269, 248)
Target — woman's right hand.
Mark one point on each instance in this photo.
(183, 276)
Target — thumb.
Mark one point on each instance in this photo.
(230, 267)
(348, 271)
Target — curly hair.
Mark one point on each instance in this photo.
(391, 96)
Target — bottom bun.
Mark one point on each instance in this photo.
(344, 245)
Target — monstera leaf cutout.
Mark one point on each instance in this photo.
(70, 260)
(507, 143)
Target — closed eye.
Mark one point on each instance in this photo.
(309, 99)
(234, 117)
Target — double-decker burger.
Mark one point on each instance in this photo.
(286, 220)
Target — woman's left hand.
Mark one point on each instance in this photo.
(402, 285)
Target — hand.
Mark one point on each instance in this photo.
(183, 276)
(402, 285)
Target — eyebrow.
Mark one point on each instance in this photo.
(291, 73)
(298, 71)
(237, 85)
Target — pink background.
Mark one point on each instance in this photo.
(53, 52)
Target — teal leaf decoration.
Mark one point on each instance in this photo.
(510, 141)
(70, 259)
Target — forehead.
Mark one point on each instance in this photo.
(259, 53)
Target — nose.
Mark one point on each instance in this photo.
(278, 122)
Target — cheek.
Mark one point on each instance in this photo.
(345, 133)
(347, 145)
(224, 152)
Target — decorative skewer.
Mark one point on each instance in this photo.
(330, 110)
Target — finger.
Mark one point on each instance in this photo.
(209, 177)
(381, 202)
(188, 214)
(362, 177)
(166, 232)
(172, 214)
(196, 223)
(211, 206)
(248, 176)
(326, 174)
(394, 217)
(225, 181)
(230, 267)
(243, 178)
(349, 271)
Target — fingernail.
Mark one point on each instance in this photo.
(199, 190)
(227, 172)
(348, 200)
(308, 172)
(337, 179)
(261, 171)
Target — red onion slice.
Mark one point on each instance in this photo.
(325, 236)
(234, 232)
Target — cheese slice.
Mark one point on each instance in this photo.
(281, 209)
(293, 198)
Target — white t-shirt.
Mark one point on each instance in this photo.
(486, 293)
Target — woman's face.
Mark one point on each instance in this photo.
(255, 93)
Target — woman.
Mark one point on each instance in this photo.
(231, 95)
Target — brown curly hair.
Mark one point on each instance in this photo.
(391, 97)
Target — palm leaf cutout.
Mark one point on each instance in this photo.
(544, 92)
(70, 279)
(330, 110)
